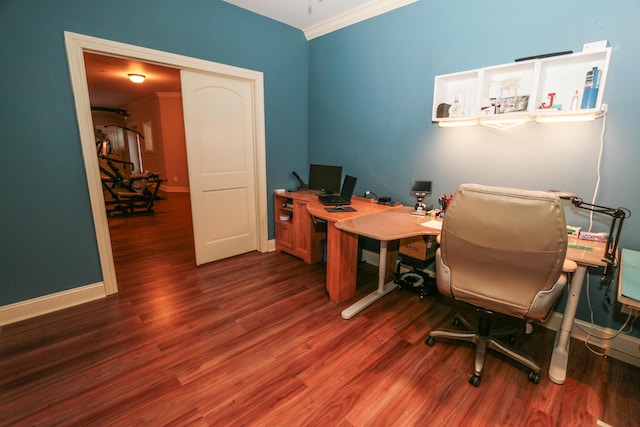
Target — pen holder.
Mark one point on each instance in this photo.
(444, 201)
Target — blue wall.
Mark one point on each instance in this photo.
(46, 227)
(360, 96)
(371, 91)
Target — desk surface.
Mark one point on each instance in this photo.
(586, 252)
(399, 223)
(363, 207)
(389, 225)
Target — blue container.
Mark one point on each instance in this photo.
(591, 84)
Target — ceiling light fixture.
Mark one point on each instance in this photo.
(137, 78)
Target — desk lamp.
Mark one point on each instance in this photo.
(420, 189)
(617, 215)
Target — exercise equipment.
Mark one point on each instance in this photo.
(126, 193)
(138, 197)
(112, 176)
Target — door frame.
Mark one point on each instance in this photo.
(76, 45)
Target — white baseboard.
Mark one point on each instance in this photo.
(370, 257)
(49, 303)
(623, 347)
(169, 189)
(27, 309)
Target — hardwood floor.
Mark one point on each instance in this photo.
(254, 340)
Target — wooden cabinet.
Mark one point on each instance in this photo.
(297, 233)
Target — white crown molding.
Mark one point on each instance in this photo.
(354, 16)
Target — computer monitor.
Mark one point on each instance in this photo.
(325, 178)
(420, 188)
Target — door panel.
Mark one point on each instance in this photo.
(218, 115)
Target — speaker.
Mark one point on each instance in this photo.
(443, 110)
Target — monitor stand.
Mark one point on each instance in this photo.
(420, 208)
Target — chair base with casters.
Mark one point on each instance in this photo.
(486, 339)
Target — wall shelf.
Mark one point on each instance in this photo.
(508, 95)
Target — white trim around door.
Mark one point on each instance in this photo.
(76, 45)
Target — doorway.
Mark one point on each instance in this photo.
(76, 46)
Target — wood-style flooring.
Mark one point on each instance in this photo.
(254, 341)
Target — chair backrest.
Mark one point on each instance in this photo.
(501, 246)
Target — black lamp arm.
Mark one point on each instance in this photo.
(618, 214)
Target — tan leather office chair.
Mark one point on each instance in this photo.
(501, 250)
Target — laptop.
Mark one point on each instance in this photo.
(344, 198)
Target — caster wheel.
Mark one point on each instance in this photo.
(474, 380)
(430, 341)
(534, 377)
(455, 321)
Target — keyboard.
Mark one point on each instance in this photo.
(333, 199)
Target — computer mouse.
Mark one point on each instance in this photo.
(339, 208)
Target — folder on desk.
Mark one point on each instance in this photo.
(433, 223)
(629, 283)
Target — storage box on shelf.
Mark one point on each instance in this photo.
(537, 89)
(296, 232)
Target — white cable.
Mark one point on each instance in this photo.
(593, 201)
(595, 191)
(593, 325)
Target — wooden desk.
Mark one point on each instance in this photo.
(587, 254)
(386, 226)
(342, 246)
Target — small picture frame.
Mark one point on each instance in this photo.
(512, 104)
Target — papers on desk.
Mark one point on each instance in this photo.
(630, 275)
(432, 223)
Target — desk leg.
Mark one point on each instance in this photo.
(342, 263)
(560, 355)
(382, 290)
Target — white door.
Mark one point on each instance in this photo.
(219, 130)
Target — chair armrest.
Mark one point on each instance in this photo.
(569, 266)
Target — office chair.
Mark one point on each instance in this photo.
(501, 250)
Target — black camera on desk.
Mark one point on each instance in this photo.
(420, 190)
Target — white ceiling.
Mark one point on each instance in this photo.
(319, 17)
(301, 14)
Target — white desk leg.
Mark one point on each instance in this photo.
(560, 355)
(374, 296)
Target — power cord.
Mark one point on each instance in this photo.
(370, 193)
(595, 191)
(606, 297)
(593, 325)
